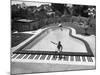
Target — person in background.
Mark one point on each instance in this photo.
(60, 26)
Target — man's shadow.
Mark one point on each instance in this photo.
(58, 55)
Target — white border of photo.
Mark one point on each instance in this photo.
(5, 37)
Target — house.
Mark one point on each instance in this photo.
(22, 25)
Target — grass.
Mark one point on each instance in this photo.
(80, 30)
(17, 38)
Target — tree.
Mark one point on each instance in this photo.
(58, 7)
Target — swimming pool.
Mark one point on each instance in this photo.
(44, 43)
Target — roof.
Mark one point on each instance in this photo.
(25, 20)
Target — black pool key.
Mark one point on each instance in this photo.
(31, 56)
(20, 56)
(48, 58)
(66, 58)
(71, 58)
(77, 58)
(83, 58)
(89, 59)
(37, 57)
(14, 56)
(42, 57)
(26, 56)
(54, 57)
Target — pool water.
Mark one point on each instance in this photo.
(45, 42)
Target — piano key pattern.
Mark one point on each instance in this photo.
(35, 58)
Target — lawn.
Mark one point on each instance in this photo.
(80, 30)
(17, 38)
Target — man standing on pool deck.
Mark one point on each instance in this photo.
(59, 47)
(60, 26)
